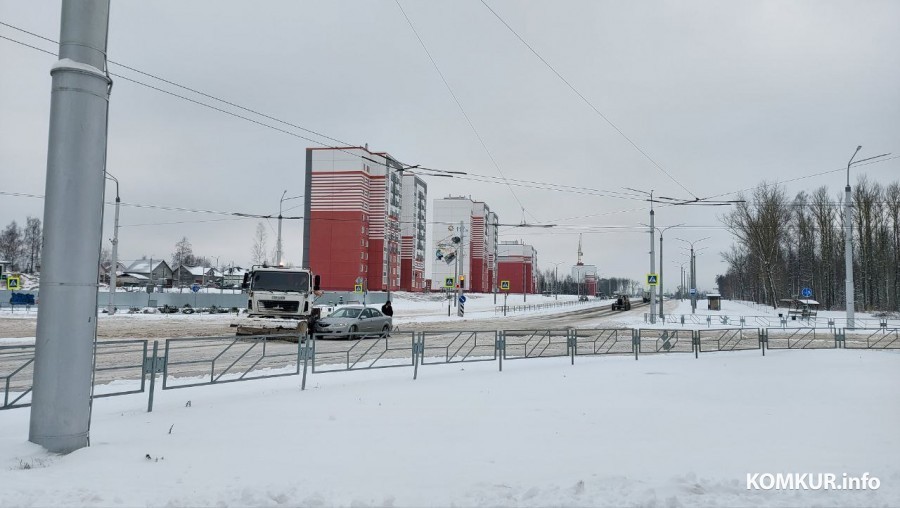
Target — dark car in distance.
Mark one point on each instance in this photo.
(622, 303)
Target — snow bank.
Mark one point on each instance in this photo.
(664, 430)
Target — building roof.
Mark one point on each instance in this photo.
(143, 265)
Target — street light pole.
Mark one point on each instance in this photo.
(278, 249)
(661, 231)
(848, 239)
(693, 268)
(848, 246)
(114, 263)
(278, 242)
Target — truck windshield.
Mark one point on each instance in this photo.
(280, 281)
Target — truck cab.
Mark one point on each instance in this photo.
(280, 292)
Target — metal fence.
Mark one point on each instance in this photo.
(190, 362)
(783, 321)
(729, 339)
(358, 351)
(113, 361)
(457, 347)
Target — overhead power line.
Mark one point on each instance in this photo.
(459, 104)
(584, 99)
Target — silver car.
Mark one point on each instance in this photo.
(354, 321)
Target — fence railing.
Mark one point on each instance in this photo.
(190, 362)
(526, 307)
(783, 321)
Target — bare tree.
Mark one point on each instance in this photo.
(32, 242)
(760, 224)
(184, 253)
(11, 245)
(260, 248)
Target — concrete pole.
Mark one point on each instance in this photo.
(278, 241)
(693, 281)
(848, 247)
(661, 315)
(848, 257)
(652, 262)
(459, 257)
(115, 257)
(73, 230)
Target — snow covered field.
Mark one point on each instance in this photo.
(667, 430)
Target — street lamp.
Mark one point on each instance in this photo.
(652, 254)
(114, 262)
(848, 238)
(693, 278)
(278, 250)
(556, 279)
(660, 280)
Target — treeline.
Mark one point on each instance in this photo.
(785, 245)
(20, 246)
(569, 286)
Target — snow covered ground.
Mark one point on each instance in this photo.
(667, 430)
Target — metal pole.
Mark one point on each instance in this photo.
(848, 247)
(73, 230)
(556, 282)
(455, 277)
(524, 291)
(115, 255)
(652, 261)
(693, 281)
(459, 257)
(278, 242)
(661, 315)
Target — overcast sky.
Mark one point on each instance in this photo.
(722, 95)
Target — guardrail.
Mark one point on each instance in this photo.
(783, 321)
(501, 309)
(191, 362)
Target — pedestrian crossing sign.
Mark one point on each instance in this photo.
(504, 285)
(12, 282)
(652, 279)
(357, 288)
(448, 282)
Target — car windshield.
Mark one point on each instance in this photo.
(280, 281)
(345, 313)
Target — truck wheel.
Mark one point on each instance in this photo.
(352, 333)
(385, 331)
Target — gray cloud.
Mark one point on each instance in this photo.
(722, 94)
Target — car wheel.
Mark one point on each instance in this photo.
(385, 331)
(352, 333)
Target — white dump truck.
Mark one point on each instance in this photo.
(279, 300)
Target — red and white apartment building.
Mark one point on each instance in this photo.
(465, 232)
(352, 224)
(517, 263)
(412, 233)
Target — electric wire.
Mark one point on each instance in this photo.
(458, 103)
(583, 98)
